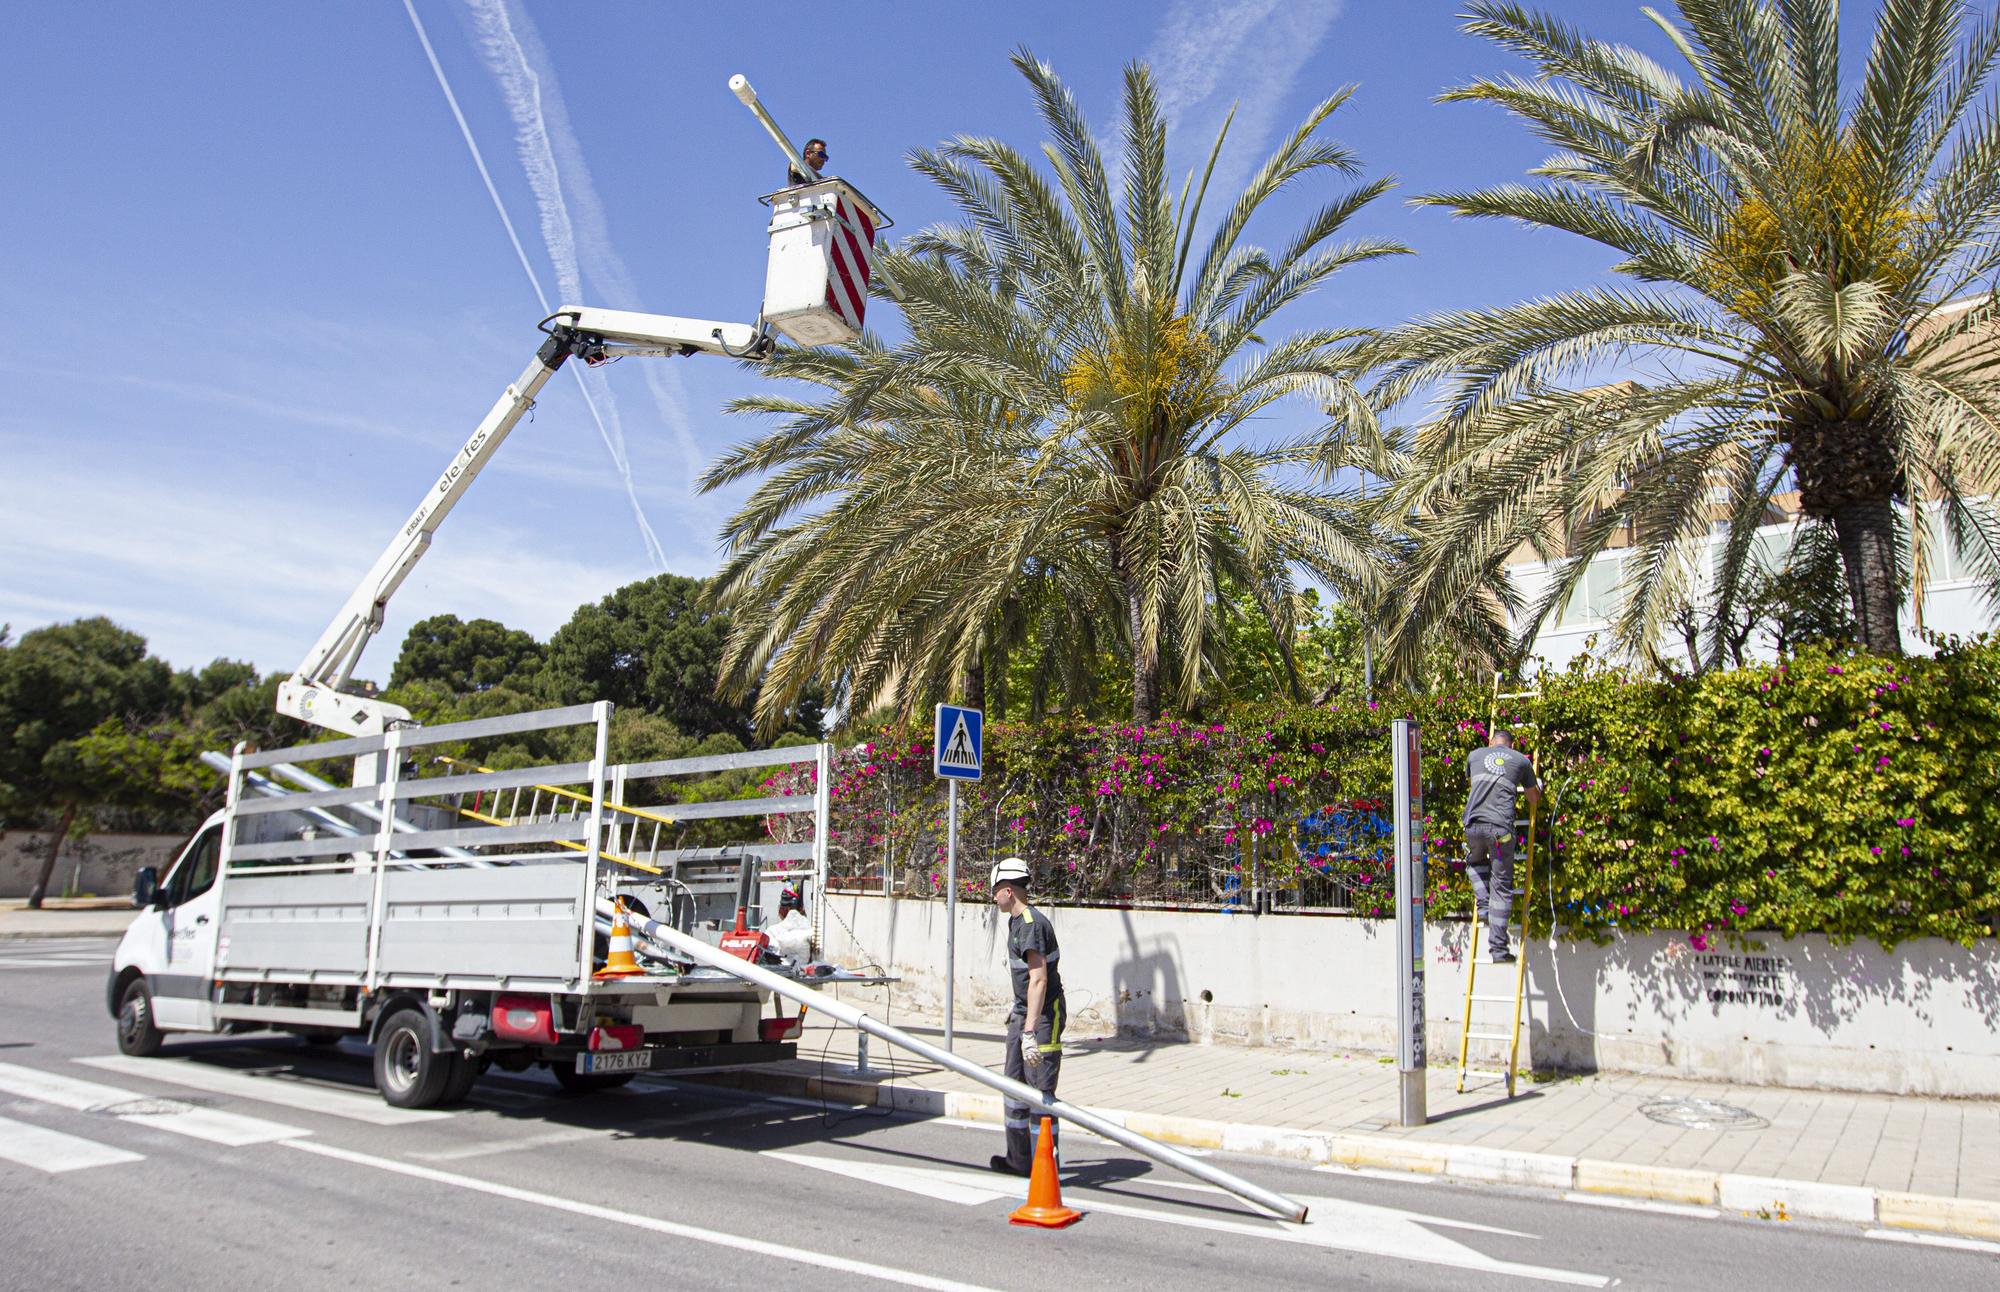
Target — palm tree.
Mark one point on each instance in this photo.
(1060, 429)
(1787, 249)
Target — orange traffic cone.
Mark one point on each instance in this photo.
(1044, 1207)
(620, 962)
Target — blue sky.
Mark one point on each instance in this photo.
(258, 294)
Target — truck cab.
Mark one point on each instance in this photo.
(161, 972)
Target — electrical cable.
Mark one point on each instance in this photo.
(827, 1117)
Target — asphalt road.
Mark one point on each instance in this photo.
(257, 1162)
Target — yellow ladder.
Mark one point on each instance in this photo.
(1469, 1029)
(567, 805)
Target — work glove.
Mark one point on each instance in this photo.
(1031, 1053)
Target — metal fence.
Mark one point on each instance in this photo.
(1276, 852)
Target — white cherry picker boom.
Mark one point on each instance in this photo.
(822, 236)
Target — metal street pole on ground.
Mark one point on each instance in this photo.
(1410, 884)
(693, 948)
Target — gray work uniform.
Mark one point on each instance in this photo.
(1498, 776)
(1031, 931)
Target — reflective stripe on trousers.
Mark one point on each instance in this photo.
(1019, 1119)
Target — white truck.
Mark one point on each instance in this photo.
(464, 919)
(459, 916)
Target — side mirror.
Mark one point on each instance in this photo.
(145, 886)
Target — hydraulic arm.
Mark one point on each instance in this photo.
(317, 692)
(822, 238)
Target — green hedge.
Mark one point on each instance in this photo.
(1832, 793)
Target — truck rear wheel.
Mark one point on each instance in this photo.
(458, 1085)
(137, 1034)
(407, 1073)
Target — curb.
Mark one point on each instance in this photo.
(1764, 1197)
(29, 935)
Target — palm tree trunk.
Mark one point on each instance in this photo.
(1866, 529)
(1848, 475)
(1145, 651)
(973, 685)
(41, 888)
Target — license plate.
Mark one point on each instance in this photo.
(615, 1061)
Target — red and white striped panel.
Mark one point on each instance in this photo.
(853, 259)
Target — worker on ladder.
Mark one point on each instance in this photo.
(1499, 775)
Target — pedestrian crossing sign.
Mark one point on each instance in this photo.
(956, 742)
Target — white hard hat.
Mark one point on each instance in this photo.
(1009, 869)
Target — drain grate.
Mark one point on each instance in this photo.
(1702, 1114)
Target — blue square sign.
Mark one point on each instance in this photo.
(956, 742)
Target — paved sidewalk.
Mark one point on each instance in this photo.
(1923, 1163)
(66, 918)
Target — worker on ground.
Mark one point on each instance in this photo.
(1034, 1026)
(815, 155)
(1499, 773)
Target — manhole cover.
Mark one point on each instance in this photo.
(1703, 1114)
(144, 1108)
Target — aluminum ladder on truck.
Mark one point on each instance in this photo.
(1486, 1029)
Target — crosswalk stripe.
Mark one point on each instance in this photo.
(8, 962)
(271, 1090)
(230, 1129)
(53, 1151)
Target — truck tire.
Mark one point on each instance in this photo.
(458, 1084)
(407, 1073)
(584, 1083)
(137, 1034)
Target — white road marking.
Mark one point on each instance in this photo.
(1933, 1240)
(228, 1129)
(47, 1150)
(1070, 1134)
(673, 1229)
(1334, 1222)
(271, 1090)
(1378, 1173)
(1643, 1204)
(513, 1145)
(946, 1186)
(51, 962)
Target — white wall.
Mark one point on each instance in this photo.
(1924, 1019)
(103, 864)
(1954, 605)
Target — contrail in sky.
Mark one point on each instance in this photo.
(549, 148)
(1254, 50)
(561, 245)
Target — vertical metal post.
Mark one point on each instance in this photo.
(1410, 884)
(385, 840)
(822, 829)
(599, 756)
(950, 906)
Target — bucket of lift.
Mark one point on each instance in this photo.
(821, 258)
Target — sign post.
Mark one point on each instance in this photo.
(957, 742)
(1411, 880)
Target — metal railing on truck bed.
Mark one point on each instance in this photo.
(455, 881)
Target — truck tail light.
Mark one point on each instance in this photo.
(618, 1036)
(524, 1018)
(782, 1028)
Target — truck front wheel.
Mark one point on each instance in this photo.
(137, 1035)
(406, 1072)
